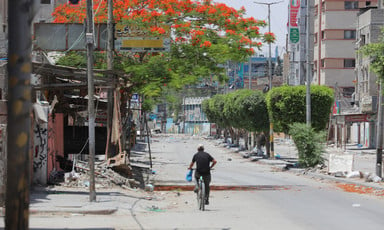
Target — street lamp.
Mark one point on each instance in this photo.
(270, 71)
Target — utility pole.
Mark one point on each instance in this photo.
(308, 69)
(91, 106)
(270, 72)
(20, 14)
(379, 134)
(379, 139)
(249, 72)
(110, 67)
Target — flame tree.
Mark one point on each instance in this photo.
(204, 36)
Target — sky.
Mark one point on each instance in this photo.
(279, 18)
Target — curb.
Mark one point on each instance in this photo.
(34, 211)
(73, 211)
(345, 181)
(282, 167)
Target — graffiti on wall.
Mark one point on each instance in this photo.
(40, 154)
(40, 147)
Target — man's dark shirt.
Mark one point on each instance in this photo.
(202, 160)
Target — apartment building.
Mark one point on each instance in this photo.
(334, 59)
(335, 26)
(369, 24)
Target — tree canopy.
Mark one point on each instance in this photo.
(204, 35)
(242, 109)
(287, 105)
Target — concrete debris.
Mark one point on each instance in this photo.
(339, 174)
(104, 176)
(71, 176)
(355, 174)
(256, 158)
(372, 178)
(245, 154)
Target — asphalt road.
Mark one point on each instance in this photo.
(272, 200)
(280, 200)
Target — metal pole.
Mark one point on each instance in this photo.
(110, 67)
(91, 105)
(20, 15)
(379, 137)
(269, 49)
(249, 72)
(270, 73)
(272, 153)
(308, 69)
(148, 141)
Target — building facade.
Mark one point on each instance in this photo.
(335, 24)
(297, 45)
(44, 148)
(370, 21)
(254, 73)
(335, 36)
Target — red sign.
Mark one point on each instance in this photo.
(294, 8)
(358, 118)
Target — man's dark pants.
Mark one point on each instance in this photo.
(207, 181)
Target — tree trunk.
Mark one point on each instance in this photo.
(233, 135)
(238, 132)
(246, 135)
(267, 146)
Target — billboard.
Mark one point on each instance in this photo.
(64, 37)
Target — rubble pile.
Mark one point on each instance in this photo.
(105, 176)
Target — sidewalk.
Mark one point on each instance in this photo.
(364, 161)
(59, 200)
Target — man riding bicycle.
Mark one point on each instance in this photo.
(203, 168)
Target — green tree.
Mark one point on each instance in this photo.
(375, 51)
(253, 113)
(287, 105)
(243, 111)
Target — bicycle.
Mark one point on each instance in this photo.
(201, 194)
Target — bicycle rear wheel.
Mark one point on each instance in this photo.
(198, 195)
(202, 195)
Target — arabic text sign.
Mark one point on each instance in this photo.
(135, 39)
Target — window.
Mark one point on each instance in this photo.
(322, 63)
(367, 3)
(315, 38)
(349, 5)
(322, 34)
(349, 34)
(45, 1)
(363, 39)
(349, 63)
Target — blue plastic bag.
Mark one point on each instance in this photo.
(188, 177)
